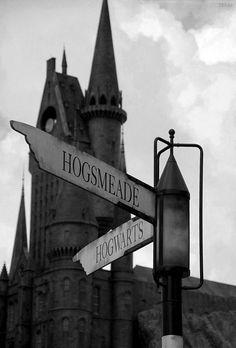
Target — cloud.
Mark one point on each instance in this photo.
(158, 24)
(194, 86)
(217, 43)
(200, 73)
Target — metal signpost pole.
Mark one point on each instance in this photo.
(171, 239)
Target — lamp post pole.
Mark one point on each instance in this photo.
(172, 312)
(171, 239)
(172, 331)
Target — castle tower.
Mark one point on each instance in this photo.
(20, 289)
(59, 115)
(62, 222)
(73, 226)
(105, 117)
(103, 110)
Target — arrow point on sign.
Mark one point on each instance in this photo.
(78, 257)
(31, 135)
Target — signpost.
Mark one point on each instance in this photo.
(93, 175)
(88, 172)
(124, 239)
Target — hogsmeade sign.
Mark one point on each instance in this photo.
(88, 172)
(103, 180)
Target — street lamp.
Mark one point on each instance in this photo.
(171, 239)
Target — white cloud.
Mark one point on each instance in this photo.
(217, 43)
(201, 99)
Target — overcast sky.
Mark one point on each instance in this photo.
(176, 64)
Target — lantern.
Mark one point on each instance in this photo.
(172, 234)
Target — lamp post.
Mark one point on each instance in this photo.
(172, 239)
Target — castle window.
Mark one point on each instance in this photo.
(65, 331)
(127, 301)
(82, 324)
(96, 300)
(51, 332)
(66, 284)
(82, 292)
(102, 100)
(113, 101)
(48, 120)
(65, 324)
(92, 101)
(38, 340)
(66, 236)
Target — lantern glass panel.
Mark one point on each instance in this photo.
(176, 231)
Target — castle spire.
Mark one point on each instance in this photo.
(103, 79)
(64, 63)
(4, 274)
(20, 244)
(122, 152)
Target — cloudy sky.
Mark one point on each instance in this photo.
(176, 65)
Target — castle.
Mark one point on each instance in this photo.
(46, 300)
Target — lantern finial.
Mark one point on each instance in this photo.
(172, 135)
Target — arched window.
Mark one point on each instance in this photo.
(92, 101)
(83, 292)
(51, 332)
(66, 236)
(65, 324)
(66, 284)
(113, 101)
(38, 341)
(82, 328)
(127, 296)
(65, 331)
(49, 119)
(102, 100)
(96, 300)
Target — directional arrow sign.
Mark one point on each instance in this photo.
(124, 239)
(88, 172)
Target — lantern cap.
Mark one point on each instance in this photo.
(171, 180)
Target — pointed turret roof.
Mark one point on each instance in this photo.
(4, 274)
(20, 244)
(103, 74)
(64, 63)
(171, 178)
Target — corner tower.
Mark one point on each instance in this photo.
(59, 116)
(103, 110)
(62, 221)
